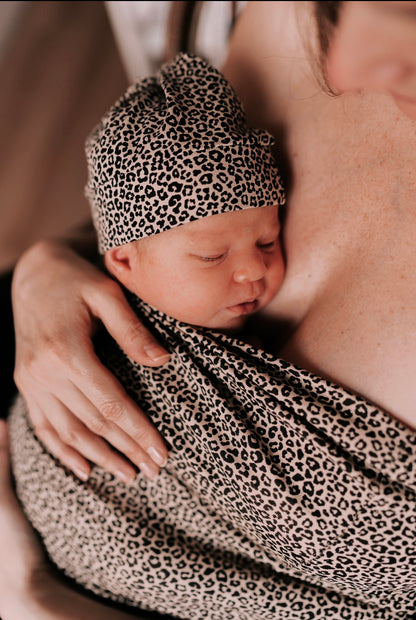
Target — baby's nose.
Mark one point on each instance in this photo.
(250, 269)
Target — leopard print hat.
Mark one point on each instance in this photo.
(173, 149)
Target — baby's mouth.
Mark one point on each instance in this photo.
(246, 307)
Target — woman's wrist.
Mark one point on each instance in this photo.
(33, 260)
(82, 245)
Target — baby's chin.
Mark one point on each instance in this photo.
(224, 321)
(231, 326)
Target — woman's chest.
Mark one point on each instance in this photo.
(350, 289)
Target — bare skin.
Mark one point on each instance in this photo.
(58, 372)
(350, 286)
(374, 48)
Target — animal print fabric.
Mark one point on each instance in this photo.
(173, 149)
(284, 497)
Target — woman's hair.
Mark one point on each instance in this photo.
(326, 17)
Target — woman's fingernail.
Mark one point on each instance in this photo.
(81, 473)
(155, 352)
(125, 477)
(157, 456)
(149, 471)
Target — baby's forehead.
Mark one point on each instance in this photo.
(212, 227)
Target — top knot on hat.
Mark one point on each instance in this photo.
(173, 149)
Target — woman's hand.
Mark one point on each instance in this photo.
(79, 410)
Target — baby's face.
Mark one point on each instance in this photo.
(212, 272)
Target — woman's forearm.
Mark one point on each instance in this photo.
(53, 600)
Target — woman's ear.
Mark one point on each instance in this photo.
(121, 262)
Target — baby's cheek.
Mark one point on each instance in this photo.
(276, 275)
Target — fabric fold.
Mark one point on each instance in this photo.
(282, 492)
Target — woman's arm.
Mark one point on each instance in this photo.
(78, 408)
(28, 587)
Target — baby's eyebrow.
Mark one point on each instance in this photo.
(197, 237)
(207, 248)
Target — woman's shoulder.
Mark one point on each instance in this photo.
(269, 61)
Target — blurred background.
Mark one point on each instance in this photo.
(59, 70)
(62, 65)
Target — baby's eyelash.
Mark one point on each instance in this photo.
(269, 245)
(209, 259)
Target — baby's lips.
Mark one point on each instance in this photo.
(246, 307)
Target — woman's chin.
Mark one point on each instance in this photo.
(405, 105)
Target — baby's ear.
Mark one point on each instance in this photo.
(121, 262)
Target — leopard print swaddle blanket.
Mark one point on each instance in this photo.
(285, 496)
